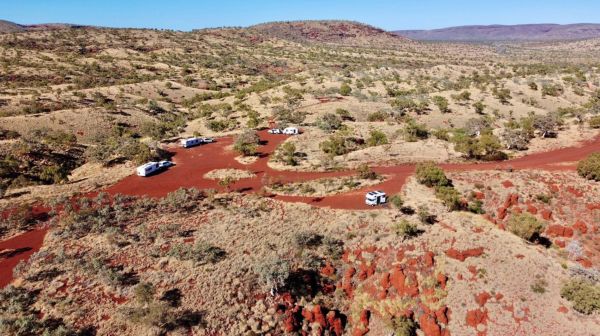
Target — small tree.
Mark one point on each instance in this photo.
(366, 173)
(441, 103)
(246, 143)
(431, 175)
(330, 122)
(413, 131)
(288, 154)
(525, 226)
(377, 138)
(589, 167)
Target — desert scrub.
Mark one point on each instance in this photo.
(525, 226)
(451, 198)
(406, 229)
(431, 175)
(397, 201)
(201, 253)
(594, 122)
(584, 295)
(273, 273)
(404, 326)
(589, 167)
(377, 138)
(246, 143)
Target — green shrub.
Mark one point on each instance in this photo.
(397, 201)
(366, 173)
(431, 175)
(404, 326)
(406, 229)
(449, 196)
(273, 273)
(377, 116)
(539, 286)
(246, 143)
(144, 293)
(308, 239)
(287, 154)
(525, 226)
(584, 295)
(589, 168)
(377, 138)
(441, 103)
(414, 131)
(329, 122)
(345, 89)
(594, 122)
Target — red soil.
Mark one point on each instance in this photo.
(18, 248)
(192, 164)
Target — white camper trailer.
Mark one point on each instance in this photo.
(191, 142)
(374, 198)
(147, 168)
(291, 131)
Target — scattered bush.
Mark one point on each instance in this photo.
(366, 173)
(377, 138)
(449, 196)
(345, 89)
(589, 167)
(441, 103)
(525, 226)
(246, 143)
(329, 122)
(397, 201)
(308, 239)
(406, 229)
(431, 175)
(584, 295)
(404, 326)
(594, 122)
(273, 273)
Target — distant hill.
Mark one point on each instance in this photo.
(336, 32)
(10, 27)
(526, 32)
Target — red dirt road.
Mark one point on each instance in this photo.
(192, 164)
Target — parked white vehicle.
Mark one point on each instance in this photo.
(165, 164)
(274, 131)
(207, 140)
(291, 131)
(374, 198)
(147, 169)
(191, 142)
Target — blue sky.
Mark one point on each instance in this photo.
(387, 14)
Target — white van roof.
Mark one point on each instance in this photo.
(148, 164)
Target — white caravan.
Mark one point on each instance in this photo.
(147, 169)
(374, 198)
(191, 142)
(291, 131)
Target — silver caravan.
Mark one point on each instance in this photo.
(147, 169)
(374, 198)
(191, 142)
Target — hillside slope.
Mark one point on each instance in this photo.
(10, 27)
(527, 32)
